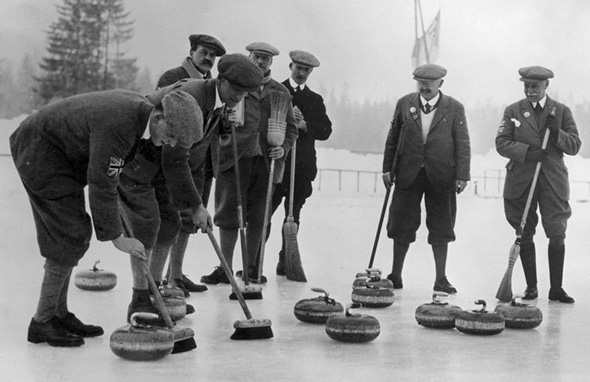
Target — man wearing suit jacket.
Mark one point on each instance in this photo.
(254, 154)
(434, 161)
(520, 139)
(173, 236)
(313, 124)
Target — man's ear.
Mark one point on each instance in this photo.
(290, 65)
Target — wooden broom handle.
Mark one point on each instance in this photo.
(292, 179)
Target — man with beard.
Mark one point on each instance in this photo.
(173, 236)
(254, 154)
(520, 138)
(433, 162)
(312, 124)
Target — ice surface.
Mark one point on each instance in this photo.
(335, 241)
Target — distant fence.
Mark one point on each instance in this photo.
(489, 184)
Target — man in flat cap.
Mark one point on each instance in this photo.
(204, 49)
(161, 177)
(519, 139)
(254, 154)
(312, 124)
(85, 140)
(434, 162)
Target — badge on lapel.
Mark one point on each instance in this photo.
(515, 121)
(527, 114)
(413, 113)
(115, 168)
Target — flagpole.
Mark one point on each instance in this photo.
(423, 32)
(416, 20)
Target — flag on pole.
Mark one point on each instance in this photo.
(427, 46)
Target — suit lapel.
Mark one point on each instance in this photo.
(415, 115)
(526, 110)
(440, 112)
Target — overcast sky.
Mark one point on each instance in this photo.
(364, 46)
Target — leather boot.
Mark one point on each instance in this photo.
(529, 266)
(556, 252)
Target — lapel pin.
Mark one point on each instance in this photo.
(515, 121)
(413, 113)
(527, 114)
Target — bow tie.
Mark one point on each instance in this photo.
(298, 89)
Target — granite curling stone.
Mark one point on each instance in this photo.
(520, 316)
(372, 296)
(176, 307)
(95, 279)
(437, 314)
(137, 342)
(317, 310)
(479, 322)
(375, 280)
(354, 328)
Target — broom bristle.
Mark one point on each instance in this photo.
(252, 329)
(279, 105)
(293, 267)
(184, 340)
(504, 293)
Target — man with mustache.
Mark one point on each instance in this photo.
(434, 162)
(254, 156)
(520, 139)
(312, 124)
(173, 236)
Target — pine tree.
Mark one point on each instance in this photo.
(25, 80)
(119, 71)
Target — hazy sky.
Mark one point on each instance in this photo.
(364, 46)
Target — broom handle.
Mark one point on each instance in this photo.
(158, 300)
(266, 217)
(398, 148)
(529, 199)
(292, 180)
(243, 243)
(230, 276)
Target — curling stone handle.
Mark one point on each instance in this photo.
(437, 295)
(320, 290)
(94, 267)
(145, 315)
(354, 305)
(482, 303)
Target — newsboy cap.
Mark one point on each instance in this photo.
(534, 73)
(429, 72)
(262, 48)
(242, 73)
(208, 41)
(302, 57)
(184, 117)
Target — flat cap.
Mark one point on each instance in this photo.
(302, 57)
(429, 72)
(184, 117)
(534, 73)
(262, 48)
(239, 71)
(208, 41)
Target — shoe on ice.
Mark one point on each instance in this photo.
(191, 286)
(396, 281)
(53, 333)
(530, 293)
(73, 325)
(443, 285)
(561, 296)
(190, 309)
(215, 277)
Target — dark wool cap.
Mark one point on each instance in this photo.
(239, 71)
(208, 41)
(184, 117)
(263, 48)
(429, 72)
(535, 73)
(302, 57)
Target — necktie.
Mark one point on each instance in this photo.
(427, 108)
(538, 108)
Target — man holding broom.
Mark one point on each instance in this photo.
(254, 154)
(313, 124)
(519, 139)
(433, 161)
(173, 236)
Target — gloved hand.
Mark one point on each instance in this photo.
(387, 179)
(276, 152)
(535, 154)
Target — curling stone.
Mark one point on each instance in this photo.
(520, 316)
(370, 272)
(95, 279)
(480, 322)
(317, 310)
(361, 282)
(437, 314)
(372, 296)
(353, 327)
(136, 342)
(176, 307)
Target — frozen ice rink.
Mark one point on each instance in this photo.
(335, 241)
